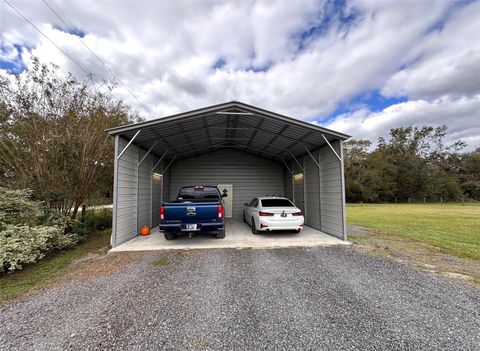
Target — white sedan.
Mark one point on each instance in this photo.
(272, 213)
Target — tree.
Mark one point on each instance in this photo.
(467, 171)
(52, 135)
(355, 154)
(422, 161)
(413, 163)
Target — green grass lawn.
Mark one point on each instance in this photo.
(451, 227)
(38, 275)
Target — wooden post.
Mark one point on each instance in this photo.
(409, 200)
(441, 201)
(395, 200)
(424, 199)
(463, 203)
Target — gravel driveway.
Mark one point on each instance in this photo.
(328, 298)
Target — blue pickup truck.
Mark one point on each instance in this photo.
(197, 209)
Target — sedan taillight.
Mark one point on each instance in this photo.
(297, 214)
(265, 214)
(162, 213)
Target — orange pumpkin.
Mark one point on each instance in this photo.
(144, 231)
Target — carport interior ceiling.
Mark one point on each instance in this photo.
(230, 125)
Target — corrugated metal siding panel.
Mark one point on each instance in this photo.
(331, 191)
(144, 190)
(312, 187)
(250, 175)
(126, 193)
(287, 184)
(167, 196)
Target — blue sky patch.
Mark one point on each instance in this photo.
(15, 66)
(454, 7)
(373, 100)
(333, 11)
(219, 64)
(377, 102)
(257, 69)
(73, 31)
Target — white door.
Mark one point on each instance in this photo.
(227, 201)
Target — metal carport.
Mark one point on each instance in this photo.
(255, 151)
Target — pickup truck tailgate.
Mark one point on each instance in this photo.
(191, 213)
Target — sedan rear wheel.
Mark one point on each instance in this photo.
(254, 229)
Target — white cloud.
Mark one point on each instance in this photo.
(461, 115)
(166, 51)
(448, 60)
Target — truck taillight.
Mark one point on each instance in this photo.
(297, 214)
(265, 214)
(220, 211)
(162, 213)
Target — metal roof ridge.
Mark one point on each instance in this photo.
(218, 107)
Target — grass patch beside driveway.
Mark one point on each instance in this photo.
(453, 228)
(435, 238)
(40, 274)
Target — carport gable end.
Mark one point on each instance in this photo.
(256, 151)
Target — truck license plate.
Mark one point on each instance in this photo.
(191, 227)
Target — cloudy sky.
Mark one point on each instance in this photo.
(359, 67)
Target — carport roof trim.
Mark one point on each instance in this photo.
(220, 108)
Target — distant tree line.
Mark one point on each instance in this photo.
(413, 164)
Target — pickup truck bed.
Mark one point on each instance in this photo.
(196, 209)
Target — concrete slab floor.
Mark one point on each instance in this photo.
(238, 235)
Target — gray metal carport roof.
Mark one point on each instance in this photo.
(228, 125)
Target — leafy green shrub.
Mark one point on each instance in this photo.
(28, 231)
(93, 221)
(22, 244)
(16, 208)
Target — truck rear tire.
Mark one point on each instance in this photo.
(220, 234)
(170, 236)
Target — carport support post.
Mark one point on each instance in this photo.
(342, 179)
(113, 240)
(136, 193)
(320, 190)
(304, 191)
(151, 195)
